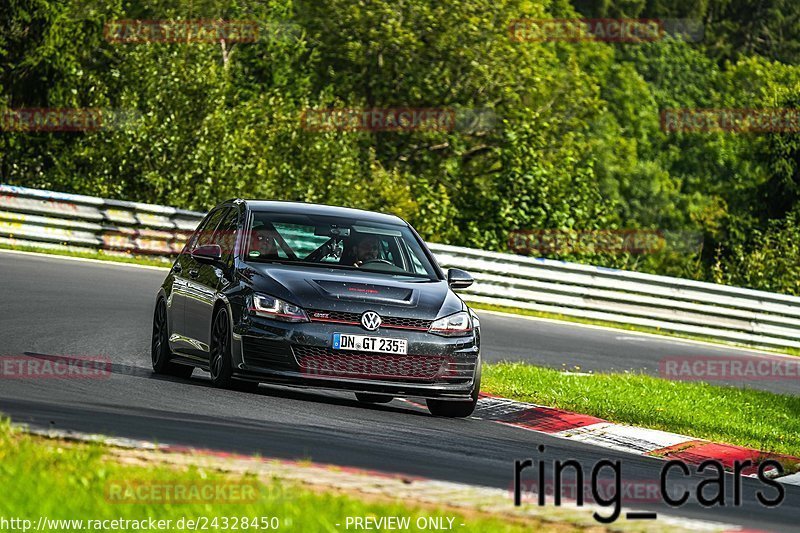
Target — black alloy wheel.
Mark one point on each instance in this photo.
(220, 363)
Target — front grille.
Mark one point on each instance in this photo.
(391, 322)
(409, 323)
(267, 353)
(365, 365)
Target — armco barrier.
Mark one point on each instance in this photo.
(50, 219)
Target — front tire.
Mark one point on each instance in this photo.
(220, 364)
(457, 409)
(160, 353)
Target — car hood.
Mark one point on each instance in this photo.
(353, 291)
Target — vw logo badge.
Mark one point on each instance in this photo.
(371, 320)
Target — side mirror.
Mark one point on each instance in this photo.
(458, 279)
(210, 253)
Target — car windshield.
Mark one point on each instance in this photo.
(337, 242)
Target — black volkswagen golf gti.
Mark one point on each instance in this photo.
(318, 296)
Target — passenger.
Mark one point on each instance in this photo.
(264, 243)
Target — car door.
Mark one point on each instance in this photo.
(176, 302)
(204, 281)
(194, 291)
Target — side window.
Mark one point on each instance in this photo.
(206, 234)
(225, 235)
(416, 265)
(191, 243)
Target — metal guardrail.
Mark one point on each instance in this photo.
(50, 219)
(53, 219)
(691, 307)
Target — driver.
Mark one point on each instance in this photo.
(367, 249)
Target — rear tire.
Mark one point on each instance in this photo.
(373, 398)
(220, 364)
(457, 409)
(160, 353)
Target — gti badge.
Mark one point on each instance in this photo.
(371, 320)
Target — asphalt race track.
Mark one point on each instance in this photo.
(55, 306)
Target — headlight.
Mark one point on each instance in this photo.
(271, 307)
(453, 325)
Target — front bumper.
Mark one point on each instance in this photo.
(301, 355)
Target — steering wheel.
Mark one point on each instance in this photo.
(377, 261)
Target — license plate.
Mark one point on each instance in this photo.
(361, 343)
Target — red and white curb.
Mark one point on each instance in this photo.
(411, 490)
(624, 438)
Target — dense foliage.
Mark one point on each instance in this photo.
(576, 142)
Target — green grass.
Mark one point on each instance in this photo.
(57, 480)
(744, 417)
(622, 326)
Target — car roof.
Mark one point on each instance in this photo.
(322, 210)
